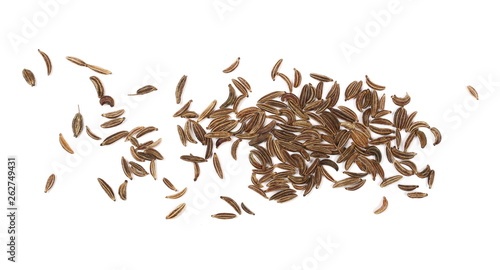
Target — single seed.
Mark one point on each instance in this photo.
(91, 134)
(224, 216)
(217, 166)
(177, 195)
(180, 89)
(473, 92)
(177, 211)
(99, 87)
(383, 207)
(169, 184)
(114, 137)
(232, 203)
(65, 144)
(47, 61)
(232, 67)
(113, 122)
(246, 209)
(122, 190)
(107, 188)
(113, 114)
(29, 77)
(50, 182)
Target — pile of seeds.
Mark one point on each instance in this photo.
(295, 136)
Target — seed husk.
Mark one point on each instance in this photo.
(126, 168)
(29, 77)
(107, 100)
(113, 122)
(417, 195)
(144, 90)
(50, 182)
(232, 67)
(224, 215)
(383, 207)
(177, 195)
(77, 124)
(217, 166)
(114, 114)
(473, 92)
(99, 87)
(91, 134)
(122, 190)
(180, 89)
(47, 61)
(246, 209)
(169, 184)
(114, 137)
(232, 203)
(65, 144)
(107, 189)
(177, 211)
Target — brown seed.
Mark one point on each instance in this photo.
(287, 81)
(408, 187)
(232, 67)
(99, 87)
(234, 148)
(145, 131)
(177, 195)
(50, 182)
(182, 135)
(207, 111)
(113, 114)
(373, 85)
(177, 211)
(180, 89)
(417, 195)
(29, 77)
(47, 61)
(144, 90)
(65, 144)
(473, 92)
(217, 166)
(245, 84)
(126, 168)
(183, 109)
(122, 190)
(347, 182)
(391, 180)
(133, 132)
(383, 207)
(430, 179)
(113, 122)
(246, 209)
(99, 69)
(401, 101)
(196, 171)
(224, 216)
(192, 158)
(437, 135)
(169, 184)
(152, 169)
(153, 152)
(77, 124)
(107, 100)
(137, 169)
(297, 78)
(275, 69)
(232, 203)
(76, 61)
(114, 137)
(107, 189)
(320, 77)
(91, 134)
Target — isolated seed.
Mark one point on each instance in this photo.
(473, 92)
(29, 77)
(180, 89)
(65, 144)
(297, 78)
(50, 182)
(233, 66)
(99, 69)
(275, 69)
(224, 216)
(320, 77)
(77, 124)
(217, 166)
(383, 207)
(91, 134)
(47, 61)
(107, 189)
(373, 85)
(177, 211)
(246, 209)
(169, 184)
(152, 168)
(232, 203)
(177, 195)
(122, 190)
(99, 87)
(391, 180)
(144, 90)
(417, 195)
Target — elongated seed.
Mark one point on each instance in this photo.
(29, 77)
(177, 195)
(107, 188)
(177, 211)
(47, 61)
(224, 215)
(65, 144)
(180, 89)
(50, 182)
(232, 203)
(383, 207)
(232, 67)
(122, 190)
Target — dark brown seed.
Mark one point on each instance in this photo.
(245, 83)
(401, 101)
(50, 182)
(437, 135)
(430, 179)
(391, 180)
(126, 168)
(77, 124)
(91, 134)
(107, 189)
(122, 190)
(232, 203)
(169, 184)
(177, 211)
(107, 100)
(258, 190)
(114, 137)
(408, 187)
(47, 61)
(99, 87)
(232, 67)
(217, 166)
(180, 89)
(224, 216)
(383, 207)
(113, 122)
(192, 158)
(473, 92)
(275, 69)
(320, 77)
(245, 208)
(417, 195)
(177, 195)
(287, 81)
(65, 144)
(153, 152)
(373, 85)
(357, 186)
(297, 78)
(144, 90)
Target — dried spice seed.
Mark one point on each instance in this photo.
(114, 137)
(217, 166)
(177, 211)
(177, 195)
(320, 77)
(473, 92)
(180, 89)
(29, 77)
(152, 168)
(196, 171)
(391, 180)
(275, 69)
(145, 131)
(246, 209)
(65, 144)
(47, 61)
(91, 134)
(182, 135)
(107, 100)
(373, 85)
(383, 207)
(99, 87)
(126, 168)
(114, 114)
(77, 124)
(99, 69)
(113, 122)
(169, 184)
(207, 111)
(401, 101)
(122, 190)
(232, 67)
(224, 216)
(144, 90)
(192, 158)
(76, 61)
(50, 182)
(297, 78)
(417, 195)
(107, 188)
(232, 203)
(408, 187)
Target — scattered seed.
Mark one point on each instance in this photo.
(383, 207)
(180, 89)
(47, 61)
(473, 92)
(65, 144)
(50, 182)
(232, 67)
(232, 203)
(122, 190)
(107, 189)
(177, 211)
(224, 216)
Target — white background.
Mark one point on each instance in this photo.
(432, 50)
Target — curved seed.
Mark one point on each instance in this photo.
(144, 90)
(274, 71)
(180, 89)
(48, 63)
(107, 100)
(383, 207)
(408, 187)
(297, 78)
(246, 209)
(65, 144)
(177, 195)
(401, 101)
(233, 66)
(113, 122)
(99, 87)
(113, 114)
(152, 168)
(320, 77)
(437, 135)
(177, 211)
(169, 184)
(217, 166)
(114, 137)
(145, 131)
(232, 202)
(287, 81)
(417, 195)
(122, 190)
(126, 168)
(391, 180)
(373, 85)
(91, 134)
(76, 61)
